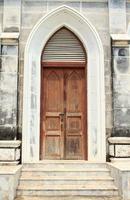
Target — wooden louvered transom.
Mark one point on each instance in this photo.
(63, 47)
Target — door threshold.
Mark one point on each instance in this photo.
(64, 161)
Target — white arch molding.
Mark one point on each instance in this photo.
(71, 19)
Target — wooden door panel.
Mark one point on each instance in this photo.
(52, 147)
(53, 105)
(73, 91)
(74, 125)
(54, 91)
(74, 112)
(52, 126)
(73, 147)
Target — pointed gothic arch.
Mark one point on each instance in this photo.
(43, 30)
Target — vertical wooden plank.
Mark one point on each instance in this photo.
(52, 107)
(75, 116)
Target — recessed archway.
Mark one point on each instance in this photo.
(71, 19)
(63, 121)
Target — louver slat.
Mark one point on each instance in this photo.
(64, 46)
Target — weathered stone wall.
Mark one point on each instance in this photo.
(8, 91)
(121, 75)
(11, 15)
(127, 14)
(117, 16)
(1, 15)
(121, 90)
(128, 69)
(9, 68)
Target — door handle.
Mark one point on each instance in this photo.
(62, 127)
(61, 114)
(61, 120)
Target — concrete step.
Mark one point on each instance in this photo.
(68, 198)
(65, 163)
(65, 172)
(62, 190)
(60, 180)
(40, 178)
(34, 180)
(64, 168)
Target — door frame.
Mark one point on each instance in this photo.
(47, 26)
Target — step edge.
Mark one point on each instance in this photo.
(66, 189)
(65, 170)
(65, 179)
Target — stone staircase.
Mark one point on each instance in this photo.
(66, 180)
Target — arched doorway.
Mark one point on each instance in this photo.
(63, 127)
(45, 27)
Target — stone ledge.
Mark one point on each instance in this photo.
(119, 140)
(10, 143)
(8, 170)
(122, 166)
(9, 163)
(7, 35)
(9, 38)
(119, 147)
(10, 152)
(121, 37)
(118, 161)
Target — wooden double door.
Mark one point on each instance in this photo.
(63, 114)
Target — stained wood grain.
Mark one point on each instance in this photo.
(63, 113)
